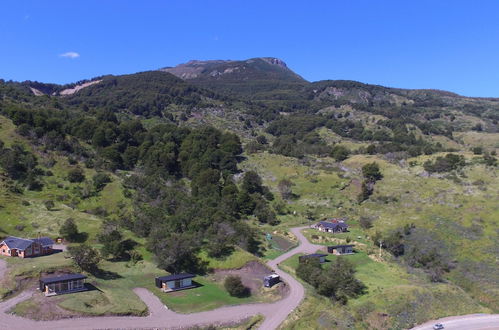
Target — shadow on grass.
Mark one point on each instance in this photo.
(80, 237)
(91, 287)
(106, 275)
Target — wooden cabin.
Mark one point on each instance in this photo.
(62, 284)
(341, 249)
(175, 282)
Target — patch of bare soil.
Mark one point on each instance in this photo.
(252, 275)
(42, 308)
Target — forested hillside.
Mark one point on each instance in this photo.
(203, 166)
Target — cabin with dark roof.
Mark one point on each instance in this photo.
(319, 256)
(21, 247)
(62, 284)
(175, 282)
(332, 227)
(341, 249)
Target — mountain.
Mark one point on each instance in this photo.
(256, 77)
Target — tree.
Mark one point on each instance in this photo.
(175, 252)
(85, 257)
(366, 190)
(340, 153)
(69, 230)
(220, 239)
(371, 172)
(76, 175)
(339, 282)
(112, 241)
(252, 183)
(264, 214)
(235, 287)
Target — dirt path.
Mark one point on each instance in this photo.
(162, 318)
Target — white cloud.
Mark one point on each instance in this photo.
(70, 55)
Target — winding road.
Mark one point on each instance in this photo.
(465, 322)
(162, 318)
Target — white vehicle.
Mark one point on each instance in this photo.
(438, 326)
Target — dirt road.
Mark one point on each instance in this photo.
(162, 318)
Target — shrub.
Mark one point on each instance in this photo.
(371, 172)
(85, 257)
(69, 230)
(235, 287)
(100, 180)
(49, 205)
(366, 222)
(340, 153)
(477, 150)
(76, 175)
(445, 164)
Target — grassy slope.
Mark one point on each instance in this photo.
(445, 206)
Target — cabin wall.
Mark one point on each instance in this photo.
(4, 250)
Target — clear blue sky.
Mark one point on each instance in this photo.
(450, 45)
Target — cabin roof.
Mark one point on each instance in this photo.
(63, 278)
(333, 225)
(340, 246)
(175, 277)
(44, 241)
(22, 244)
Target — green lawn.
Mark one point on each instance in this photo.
(209, 295)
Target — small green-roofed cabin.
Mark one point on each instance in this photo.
(175, 282)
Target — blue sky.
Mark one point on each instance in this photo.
(450, 45)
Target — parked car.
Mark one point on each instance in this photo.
(438, 326)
